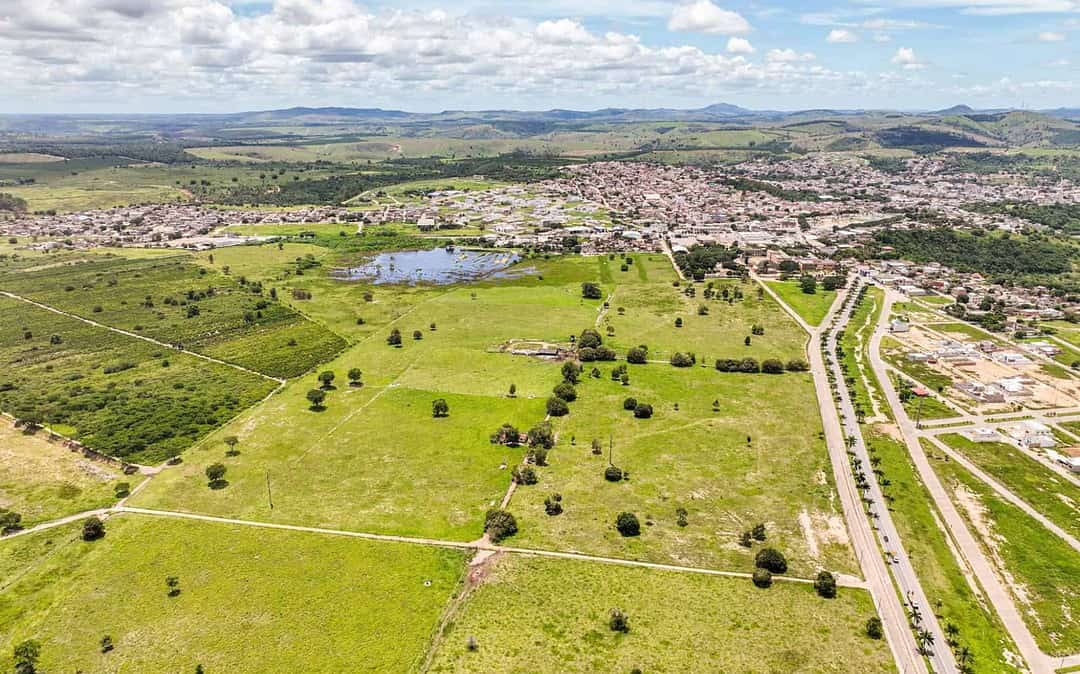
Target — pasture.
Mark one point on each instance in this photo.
(812, 307)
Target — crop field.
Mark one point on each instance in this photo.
(41, 480)
(250, 600)
(542, 615)
(1041, 567)
(175, 301)
(1041, 488)
(812, 307)
(117, 394)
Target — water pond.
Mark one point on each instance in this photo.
(439, 266)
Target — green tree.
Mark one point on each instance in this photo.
(215, 475)
(589, 339)
(874, 629)
(93, 529)
(591, 291)
(26, 654)
(771, 559)
(326, 379)
(825, 585)
(628, 525)
(499, 524)
(9, 521)
(808, 284)
(173, 583)
(316, 398)
(618, 622)
(762, 578)
(557, 407)
(440, 408)
(394, 339)
(758, 532)
(355, 375)
(638, 355)
(643, 410)
(566, 391)
(542, 435)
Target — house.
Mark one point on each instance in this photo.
(899, 325)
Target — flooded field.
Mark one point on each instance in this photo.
(439, 266)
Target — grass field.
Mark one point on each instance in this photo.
(1041, 488)
(542, 616)
(42, 480)
(812, 307)
(1042, 568)
(855, 343)
(118, 394)
(251, 600)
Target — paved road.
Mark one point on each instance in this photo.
(969, 548)
(893, 614)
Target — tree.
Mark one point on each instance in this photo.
(771, 559)
(542, 435)
(796, 365)
(678, 322)
(553, 505)
(762, 578)
(628, 525)
(772, 366)
(9, 521)
(499, 524)
(745, 540)
(566, 391)
(26, 656)
(680, 359)
(93, 529)
(613, 474)
(637, 355)
(326, 379)
(629, 404)
(513, 390)
(106, 643)
(571, 372)
(618, 621)
(643, 411)
(173, 583)
(355, 376)
(524, 474)
(746, 340)
(874, 629)
(316, 398)
(597, 448)
(215, 475)
(231, 441)
(395, 338)
(591, 291)
(589, 339)
(557, 407)
(440, 408)
(758, 532)
(825, 585)
(808, 284)
(538, 455)
(417, 335)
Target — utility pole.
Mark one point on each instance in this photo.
(269, 495)
(918, 414)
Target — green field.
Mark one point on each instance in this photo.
(120, 395)
(539, 615)
(811, 307)
(251, 600)
(1052, 495)
(42, 480)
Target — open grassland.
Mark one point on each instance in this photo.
(862, 382)
(42, 480)
(942, 577)
(1041, 488)
(811, 306)
(540, 615)
(184, 304)
(1040, 568)
(117, 394)
(251, 600)
(742, 463)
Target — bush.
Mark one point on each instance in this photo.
(93, 529)
(215, 475)
(613, 474)
(589, 338)
(525, 475)
(637, 355)
(591, 291)
(618, 621)
(643, 411)
(394, 339)
(499, 524)
(873, 628)
(553, 505)
(627, 524)
(542, 435)
(557, 407)
(772, 366)
(629, 404)
(680, 359)
(440, 408)
(796, 365)
(771, 559)
(758, 532)
(762, 578)
(538, 455)
(825, 585)
(748, 365)
(566, 391)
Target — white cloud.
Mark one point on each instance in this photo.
(702, 16)
(905, 58)
(993, 7)
(563, 31)
(1050, 36)
(841, 36)
(788, 56)
(738, 45)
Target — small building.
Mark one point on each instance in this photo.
(899, 325)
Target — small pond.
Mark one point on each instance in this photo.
(438, 265)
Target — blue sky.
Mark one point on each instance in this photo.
(429, 55)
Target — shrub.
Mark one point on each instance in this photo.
(678, 322)
(417, 335)
(771, 559)
(762, 578)
(499, 524)
(643, 411)
(508, 434)
(525, 475)
(637, 355)
(542, 435)
(571, 372)
(93, 529)
(796, 365)
(215, 474)
(680, 359)
(627, 524)
(557, 407)
(825, 585)
(553, 505)
(440, 408)
(618, 621)
(538, 455)
(589, 338)
(613, 474)
(629, 403)
(758, 532)
(772, 366)
(591, 291)
(566, 391)
(873, 628)
(394, 339)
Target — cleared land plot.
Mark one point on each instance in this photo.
(1039, 567)
(539, 615)
(692, 458)
(812, 307)
(117, 394)
(251, 600)
(1041, 488)
(42, 480)
(175, 301)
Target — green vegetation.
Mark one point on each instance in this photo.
(117, 394)
(555, 615)
(297, 595)
(812, 307)
(1064, 217)
(984, 253)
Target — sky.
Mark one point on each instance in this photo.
(174, 56)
